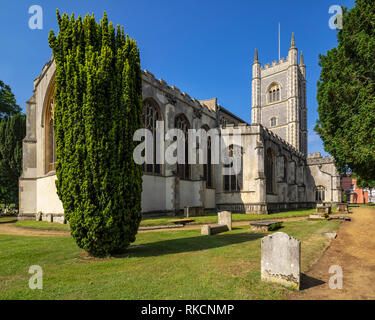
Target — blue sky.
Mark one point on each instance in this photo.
(204, 47)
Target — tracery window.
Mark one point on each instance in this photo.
(270, 171)
(151, 114)
(234, 182)
(285, 169)
(208, 167)
(183, 169)
(320, 194)
(50, 140)
(274, 93)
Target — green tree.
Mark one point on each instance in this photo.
(98, 93)
(346, 93)
(8, 105)
(12, 132)
(362, 183)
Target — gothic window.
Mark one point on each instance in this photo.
(183, 169)
(320, 194)
(207, 167)
(285, 169)
(50, 141)
(270, 171)
(295, 171)
(273, 122)
(233, 183)
(274, 93)
(151, 114)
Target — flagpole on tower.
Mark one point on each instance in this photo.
(279, 42)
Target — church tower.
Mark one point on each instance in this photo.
(279, 97)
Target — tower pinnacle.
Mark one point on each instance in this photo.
(293, 43)
(302, 62)
(256, 55)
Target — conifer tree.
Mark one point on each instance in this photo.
(346, 93)
(98, 93)
(12, 132)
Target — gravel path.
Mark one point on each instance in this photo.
(354, 251)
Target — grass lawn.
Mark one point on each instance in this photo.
(159, 265)
(165, 220)
(212, 217)
(42, 225)
(7, 219)
(353, 205)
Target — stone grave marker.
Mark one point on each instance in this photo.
(281, 260)
(225, 218)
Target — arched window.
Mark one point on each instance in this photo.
(270, 171)
(285, 169)
(233, 183)
(207, 167)
(273, 122)
(50, 140)
(295, 171)
(320, 194)
(151, 114)
(183, 169)
(274, 93)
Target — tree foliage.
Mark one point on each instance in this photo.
(12, 132)
(346, 93)
(98, 93)
(8, 105)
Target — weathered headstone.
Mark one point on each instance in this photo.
(318, 216)
(281, 259)
(59, 219)
(47, 217)
(38, 216)
(343, 207)
(324, 209)
(193, 212)
(225, 218)
(265, 225)
(209, 230)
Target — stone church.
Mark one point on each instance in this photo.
(276, 173)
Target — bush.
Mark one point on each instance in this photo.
(98, 93)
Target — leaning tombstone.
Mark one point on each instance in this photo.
(281, 260)
(225, 218)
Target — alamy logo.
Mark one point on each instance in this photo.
(36, 20)
(221, 146)
(36, 281)
(336, 281)
(336, 21)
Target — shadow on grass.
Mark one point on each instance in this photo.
(192, 244)
(309, 282)
(8, 221)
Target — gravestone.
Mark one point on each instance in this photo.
(318, 217)
(265, 225)
(47, 217)
(193, 212)
(38, 216)
(323, 209)
(343, 207)
(59, 219)
(281, 260)
(209, 230)
(225, 218)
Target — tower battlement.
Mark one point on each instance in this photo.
(279, 97)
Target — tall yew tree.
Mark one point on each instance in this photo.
(12, 132)
(346, 93)
(98, 93)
